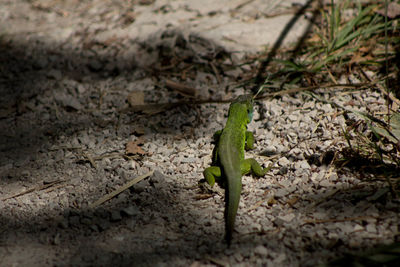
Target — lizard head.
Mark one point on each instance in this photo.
(246, 100)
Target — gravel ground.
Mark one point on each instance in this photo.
(67, 137)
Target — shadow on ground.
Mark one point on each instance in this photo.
(33, 115)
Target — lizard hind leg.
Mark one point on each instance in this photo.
(252, 165)
(212, 174)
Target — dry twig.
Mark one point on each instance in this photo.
(35, 188)
(119, 190)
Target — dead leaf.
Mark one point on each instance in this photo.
(136, 98)
(136, 101)
(203, 196)
(292, 201)
(271, 201)
(139, 130)
(358, 57)
(134, 147)
(151, 109)
(364, 49)
(181, 88)
(315, 38)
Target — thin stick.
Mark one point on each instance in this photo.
(181, 88)
(165, 106)
(119, 190)
(339, 220)
(54, 188)
(90, 160)
(35, 188)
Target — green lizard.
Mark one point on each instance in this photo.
(229, 163)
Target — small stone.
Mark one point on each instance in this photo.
(86, 221)
(325, 183)
(95, 65)
(59, 155)
(327, 108)
(269, 151)
(238, 257)
(279, 222)
(63, 224)
(281, 192)
(67, 100)
(25, 173)
(283, 170)
(233, 73)
(102, 213)
(304, 164)
(141, 186)
(283, 161)
(158, 178)
(269, 125)
(293, 118)
(261, 250)
(116, 216)
(94, 227)
(358, 228)
(256, 227)
(84, 138)
(189, 160)
(130, 211)
(371, 228)
(81, 89)
(280, 258)
(41, 62)
(332, 235)
(287, 217)
(74, 220)
(103, 225)
(55, 74)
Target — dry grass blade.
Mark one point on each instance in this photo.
(119, 190)
(35, 188)
(181, 88)
(359, 218)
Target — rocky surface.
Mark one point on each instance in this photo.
(68, 70)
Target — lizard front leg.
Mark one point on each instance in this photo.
(249, 140)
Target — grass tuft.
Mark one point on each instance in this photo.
(341, 48)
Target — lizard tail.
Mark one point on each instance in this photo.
(232, 197)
